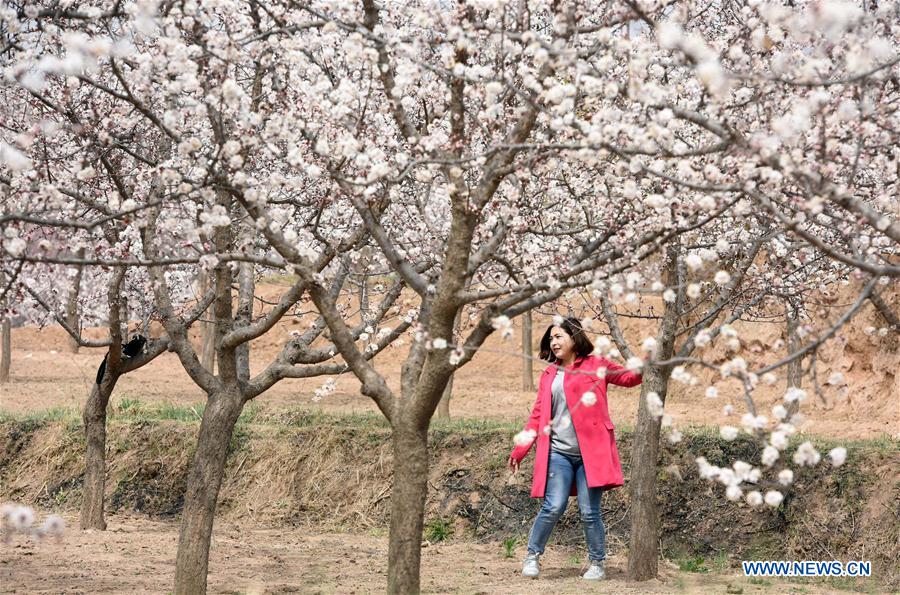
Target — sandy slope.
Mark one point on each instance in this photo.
(864, 403)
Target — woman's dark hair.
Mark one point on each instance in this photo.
(583, 345)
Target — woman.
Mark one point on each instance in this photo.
(576, 447)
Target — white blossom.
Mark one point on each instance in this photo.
(733, 493)
(785, 477)
(693, 261)
(502, 324)
(728, 432)
(634, 363)
(654, 405)
(703, 338)
(794, 394)
(525, 437)
(774, 498)
(807, 455)
(837, 455)
(13, 158)
(778, 440)
(754, 498)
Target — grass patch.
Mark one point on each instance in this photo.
(693, 564)
(59, 413)
(762, 582)
(698, 564)
(509, 547)
(437, 530)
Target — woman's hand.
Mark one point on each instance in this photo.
(513, 464)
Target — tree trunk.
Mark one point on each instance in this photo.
(443, 408)
(72, 304)
(527, 353)
(94, 418)
(208, 350)
(794, 368)
(5, 350)
(364, 298)
(643, 553)
(204, 480)
(408, 494)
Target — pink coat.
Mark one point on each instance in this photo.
(592, 424)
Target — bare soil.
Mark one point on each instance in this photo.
(137, 555)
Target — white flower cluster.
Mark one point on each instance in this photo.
(838, 456)
(634, 364)
(794, 394)
(806, 454)
(326, 389)
(752, 422)
(741, 472)
(502, 324)
(13, 158)
(589, 399)
(456, 356)
(602, 345)
(20, 519)
(703, 338)
(681, 375)
(654, 405)
(525, 437)
(733, 367)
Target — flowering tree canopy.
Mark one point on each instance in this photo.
(488, 155)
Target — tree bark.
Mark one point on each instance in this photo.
(794, 368)
(207, 328)
(5, 350)
(72, 318)
(364, 298)
(643, 554)
(208, 349)
(204, 480)
(408, 494)
(443, 408)
(527, 353)
(94, 417)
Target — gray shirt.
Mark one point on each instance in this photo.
(562, 433)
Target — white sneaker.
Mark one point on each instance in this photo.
(531, 567)
(596, 572)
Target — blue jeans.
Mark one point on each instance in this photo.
(561, 471)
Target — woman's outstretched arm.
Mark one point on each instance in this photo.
(619, 375)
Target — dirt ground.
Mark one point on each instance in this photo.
(137, 555)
